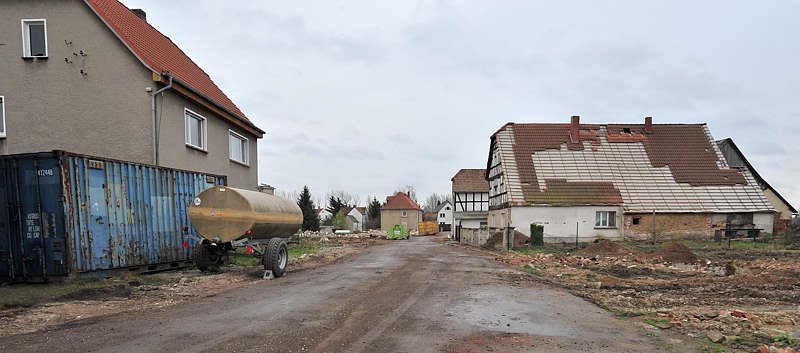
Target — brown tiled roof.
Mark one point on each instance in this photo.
(560, 192)
(685, 149)
(470, 180)
(159, 54)
(673, 168)
(400, 201)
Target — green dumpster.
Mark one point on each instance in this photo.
(397, 231)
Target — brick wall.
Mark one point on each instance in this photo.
(666, 224)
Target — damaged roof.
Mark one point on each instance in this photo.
(642, 167)
(470, 180)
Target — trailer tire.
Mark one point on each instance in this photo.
(206, 259)
(276, 258)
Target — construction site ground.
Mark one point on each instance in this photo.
(690, 295)
(738, 296)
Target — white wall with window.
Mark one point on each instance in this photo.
(238, 148)
(561, 222)
(2, 117)
(196, 130)
(34, 38)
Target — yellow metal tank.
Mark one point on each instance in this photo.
(229, 213)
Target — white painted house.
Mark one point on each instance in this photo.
(470, 198)
(359, 217)
(323, 214)
(444, 215)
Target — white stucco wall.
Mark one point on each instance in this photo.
(358, 216)
(445, 215)
(470, 223)
(560, 222)
(764, 221)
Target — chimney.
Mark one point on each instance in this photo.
(140, 14)
(648, 125)
(574, 129)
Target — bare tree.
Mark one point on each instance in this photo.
(433, 200)
(344, 197)
(410, 190)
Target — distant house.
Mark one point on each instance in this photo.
(616, 180)
(400, 209)
(735, 158)
(355, 218)
(470, 198)
(93, 77)
(323, 214)
(444, 215)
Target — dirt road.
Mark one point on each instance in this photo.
(419, 295)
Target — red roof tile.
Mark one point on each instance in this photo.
(400, 201)
(160, 54)
(470, 180)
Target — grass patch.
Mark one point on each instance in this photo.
(713, 348)
(656, 322)
(31, 294)
(789, 341)
(300, 249)
(532, 270)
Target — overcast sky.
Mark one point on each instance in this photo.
(365, 96)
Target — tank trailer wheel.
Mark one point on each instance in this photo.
(276, 257)
(207, 257)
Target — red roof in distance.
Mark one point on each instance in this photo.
(160, 54)
(400, 201)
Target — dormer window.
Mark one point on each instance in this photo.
(34, 39)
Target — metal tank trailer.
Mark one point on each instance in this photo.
(229, 219)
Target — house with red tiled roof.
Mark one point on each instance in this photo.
(470, 199)
(400, 209)
(618, 180)
(94, 77)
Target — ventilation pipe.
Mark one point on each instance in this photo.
(155, 118)
(574, 129)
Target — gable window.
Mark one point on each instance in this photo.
(441, 215)
(238, 147)
(405, 213)
(447, 208)
(2, 117)
(34, 39)
(605, 219)
(195, 130)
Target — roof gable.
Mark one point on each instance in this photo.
(400, 201)
(159, 54)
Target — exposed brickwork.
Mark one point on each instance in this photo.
(670, 223)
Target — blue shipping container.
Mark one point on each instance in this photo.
(63, 214)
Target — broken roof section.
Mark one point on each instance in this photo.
(159, 54)
(470, 180)
(642, 167)
(400, 201)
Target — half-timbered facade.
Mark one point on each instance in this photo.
(614, 180)
(470, 198)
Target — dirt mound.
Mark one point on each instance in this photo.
(605, 247)
(674, 252)
(520, 239)
(495, 240)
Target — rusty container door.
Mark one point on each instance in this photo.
(128, 215)
(32, 228)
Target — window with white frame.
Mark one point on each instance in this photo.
(2, 117)
(238, 147)
(605, 219)
(34, 39)
(195, 130)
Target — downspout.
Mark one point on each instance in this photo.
(155, 120)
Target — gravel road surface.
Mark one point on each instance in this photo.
(417, 295)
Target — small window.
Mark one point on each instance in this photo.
(447, 208)
(2, 117)
(441, 215)
(636, 220)
(626, 130)
(405, 213)
(605, 219)
(34, 39)
(238, 147)
(195, 130)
